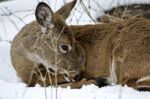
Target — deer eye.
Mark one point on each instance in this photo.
(64, 48)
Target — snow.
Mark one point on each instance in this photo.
(11, 87)
(20, 91)
(7, 72)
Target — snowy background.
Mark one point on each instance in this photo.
(14, 14)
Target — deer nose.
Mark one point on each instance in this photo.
(75, 76)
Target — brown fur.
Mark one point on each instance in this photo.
(127, 43)
(32, 50)
(124, 45)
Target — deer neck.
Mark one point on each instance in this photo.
(96, 41)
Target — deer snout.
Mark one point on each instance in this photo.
(72, 76)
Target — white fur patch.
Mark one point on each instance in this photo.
(147, 78)
(35, 58)
(38, 60)
(112, 79)
(44, 30)
(67, 79)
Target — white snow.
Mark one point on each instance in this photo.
(20, 91)
(11, 86)
(7, 72)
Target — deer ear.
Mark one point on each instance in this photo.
(65, 10)
(44, 15)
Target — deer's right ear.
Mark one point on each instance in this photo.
(44, 15)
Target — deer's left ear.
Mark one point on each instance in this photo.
(65, 10)
(44, 15)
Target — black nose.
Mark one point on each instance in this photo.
(78, 77)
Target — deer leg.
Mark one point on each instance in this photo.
(98, 81)
(143, 83)
(79, 84)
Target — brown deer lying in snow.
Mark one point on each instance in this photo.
(48, 51)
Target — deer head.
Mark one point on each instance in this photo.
(61, 53)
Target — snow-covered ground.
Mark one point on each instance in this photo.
(11, 86)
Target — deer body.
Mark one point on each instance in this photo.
(118, 52)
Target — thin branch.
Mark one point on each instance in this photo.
(13, 22)
(87, 12)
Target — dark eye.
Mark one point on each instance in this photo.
(64, 48)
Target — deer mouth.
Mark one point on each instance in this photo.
(68, 75)
(73, 76)
(69, 81)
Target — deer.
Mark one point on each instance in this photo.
(50, 52)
